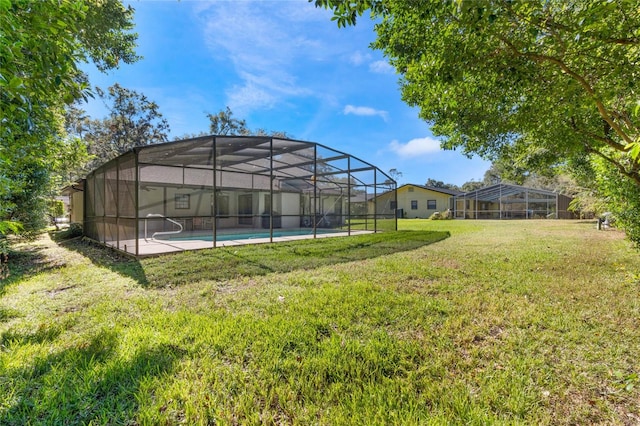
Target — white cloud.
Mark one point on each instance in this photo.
(358, 58)
(365, 111)
(243, 99)
(266, 46)
(415, 147)
(381, 67)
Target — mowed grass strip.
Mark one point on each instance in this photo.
(232, 262)
(517, 322)
(250, 260)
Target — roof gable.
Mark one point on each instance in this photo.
(444, 191)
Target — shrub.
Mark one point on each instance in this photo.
(441, 216)
(623, 199)
(6, 227)
(73, 231)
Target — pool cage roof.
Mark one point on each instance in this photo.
(224, 184)
(293, 163)
(500, 191)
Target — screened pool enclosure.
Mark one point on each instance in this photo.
(220, 190)
(504, 201)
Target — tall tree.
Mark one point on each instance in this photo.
(223, 123)
(133, 120)
(395, 174)
(41, 45)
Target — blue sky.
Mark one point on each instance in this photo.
(281, 65)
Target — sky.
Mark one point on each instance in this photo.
(281, 65)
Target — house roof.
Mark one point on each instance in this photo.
(433, 188)
(77, 186)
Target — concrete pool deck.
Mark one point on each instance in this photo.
(151, 247)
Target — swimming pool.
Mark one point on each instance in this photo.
(251, 235)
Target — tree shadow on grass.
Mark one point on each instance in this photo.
(254, 260)
(109, 258)
(26, 263)
(89, 383)
(226, 263)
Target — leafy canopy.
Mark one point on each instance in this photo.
(41, 45)
(133, 121)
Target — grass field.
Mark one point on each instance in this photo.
(447, 322)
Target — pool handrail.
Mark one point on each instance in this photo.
(153, 236)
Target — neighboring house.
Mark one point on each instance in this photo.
(76, 201)
(505, 201)
(416, 201)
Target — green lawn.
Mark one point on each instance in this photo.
(447, 322)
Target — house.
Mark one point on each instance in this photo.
(413, 201)
(74, 192)
(500, 201)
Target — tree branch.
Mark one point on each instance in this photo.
(608, 141)
(631, 174)
(580, 79)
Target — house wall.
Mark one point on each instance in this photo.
(76, 207)
(152, 201)
(409, 193)
(290, 210)
(382, 204)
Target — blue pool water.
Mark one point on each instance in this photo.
(252, 235)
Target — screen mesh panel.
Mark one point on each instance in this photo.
(207, 190)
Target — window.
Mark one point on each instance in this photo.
(182, 201)
(431, 204)
(414, 204)
(394, 205)
(411, 189)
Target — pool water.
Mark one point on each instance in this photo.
(252, 235)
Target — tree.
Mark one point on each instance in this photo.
(535, 82)
(472, 185)
(41, 45)
(440, 184)
(271, 133)
(395, 174)
(545, 79)
(133, 120)
(74, 159)
(223, 123)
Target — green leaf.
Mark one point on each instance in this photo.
(634, 149)
(15, 83)
(10, 227)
